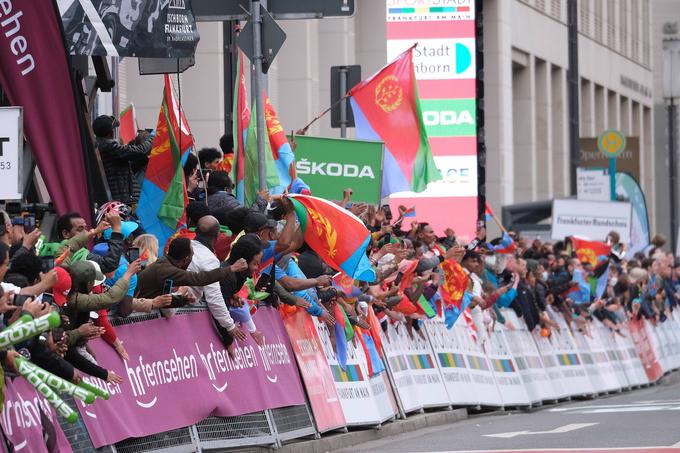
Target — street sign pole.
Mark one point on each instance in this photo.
(612, 178)
(611, 144)
(343, 103)
(256, 82)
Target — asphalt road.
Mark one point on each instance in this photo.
(641, 420)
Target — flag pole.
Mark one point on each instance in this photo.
(256, 82)
(495, 219)
(303, 131)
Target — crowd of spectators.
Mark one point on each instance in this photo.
(232, 258)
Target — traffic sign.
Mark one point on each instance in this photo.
(273, 37)
(611, 143)
(219, 10)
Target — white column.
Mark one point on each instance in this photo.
(560, 131)
(544, 150)
(498, 102)
(524, 123)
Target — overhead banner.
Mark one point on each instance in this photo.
(331, 165)
(316, 374)
(35, 74)
(179, 383)
(446, 70)
(125, 28)
(590, 219)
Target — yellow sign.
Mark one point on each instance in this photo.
(611, 143)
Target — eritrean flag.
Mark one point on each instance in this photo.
(241, 116)
(455, 283)
(386, 107)
(591, 252)
(128, 124)
(161, 208)
(505, 246)
(336, 235)
(279, 157)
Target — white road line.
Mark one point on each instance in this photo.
(514, 450)
(598, 406)
(558, 430)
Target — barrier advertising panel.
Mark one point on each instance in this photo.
(161, 383)
(394, 348)
(487, 392)
(316, 375)
(363, 401)
(645, 349)
(454, 365)
(26, 417)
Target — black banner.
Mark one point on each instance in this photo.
(130, 28)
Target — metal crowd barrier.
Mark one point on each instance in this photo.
(270, 427)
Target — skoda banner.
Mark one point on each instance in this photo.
(331, 165)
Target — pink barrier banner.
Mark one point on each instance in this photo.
(179, 373)
(315, 371)
(29, 422)
(645, 349)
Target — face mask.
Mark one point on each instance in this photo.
(490, 261)
(614, 281)
(544, 276)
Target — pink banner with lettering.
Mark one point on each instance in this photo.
(35, 74)
(29, 422)
(180, 373)
(315, 371)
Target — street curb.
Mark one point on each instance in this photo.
(339, 441)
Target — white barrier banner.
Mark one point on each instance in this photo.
(606, 337)
(364, 401)
(397, 364)
(486, 390)
(505, 372)
(528, 359)
(629, 358)
(574, 376)
(455, 367)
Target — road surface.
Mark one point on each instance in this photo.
(641, 420)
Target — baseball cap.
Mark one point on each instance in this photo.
(62, 286)
(126, 228)
(256, 221)
(85, 272)
(103, 125)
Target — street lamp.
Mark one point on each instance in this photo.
(671, 91)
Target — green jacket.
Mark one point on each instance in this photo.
(79, 302)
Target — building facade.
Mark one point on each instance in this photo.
(525, 75)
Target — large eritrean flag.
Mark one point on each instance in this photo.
(241, 116)
(336, 235)
(386, 107)
(161, 208)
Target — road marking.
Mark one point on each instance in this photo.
(613, 408)
(559, 430)
(551, 450)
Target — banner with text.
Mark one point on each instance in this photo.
(331, 165)
(168, 385)
(316, 374)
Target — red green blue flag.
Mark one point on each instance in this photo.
(128, 124)
(386, 107)
(241, 116)
(279, 157)
(336, 235)
(592, 252)
(161, 207)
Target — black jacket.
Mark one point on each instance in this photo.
(120, 163)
